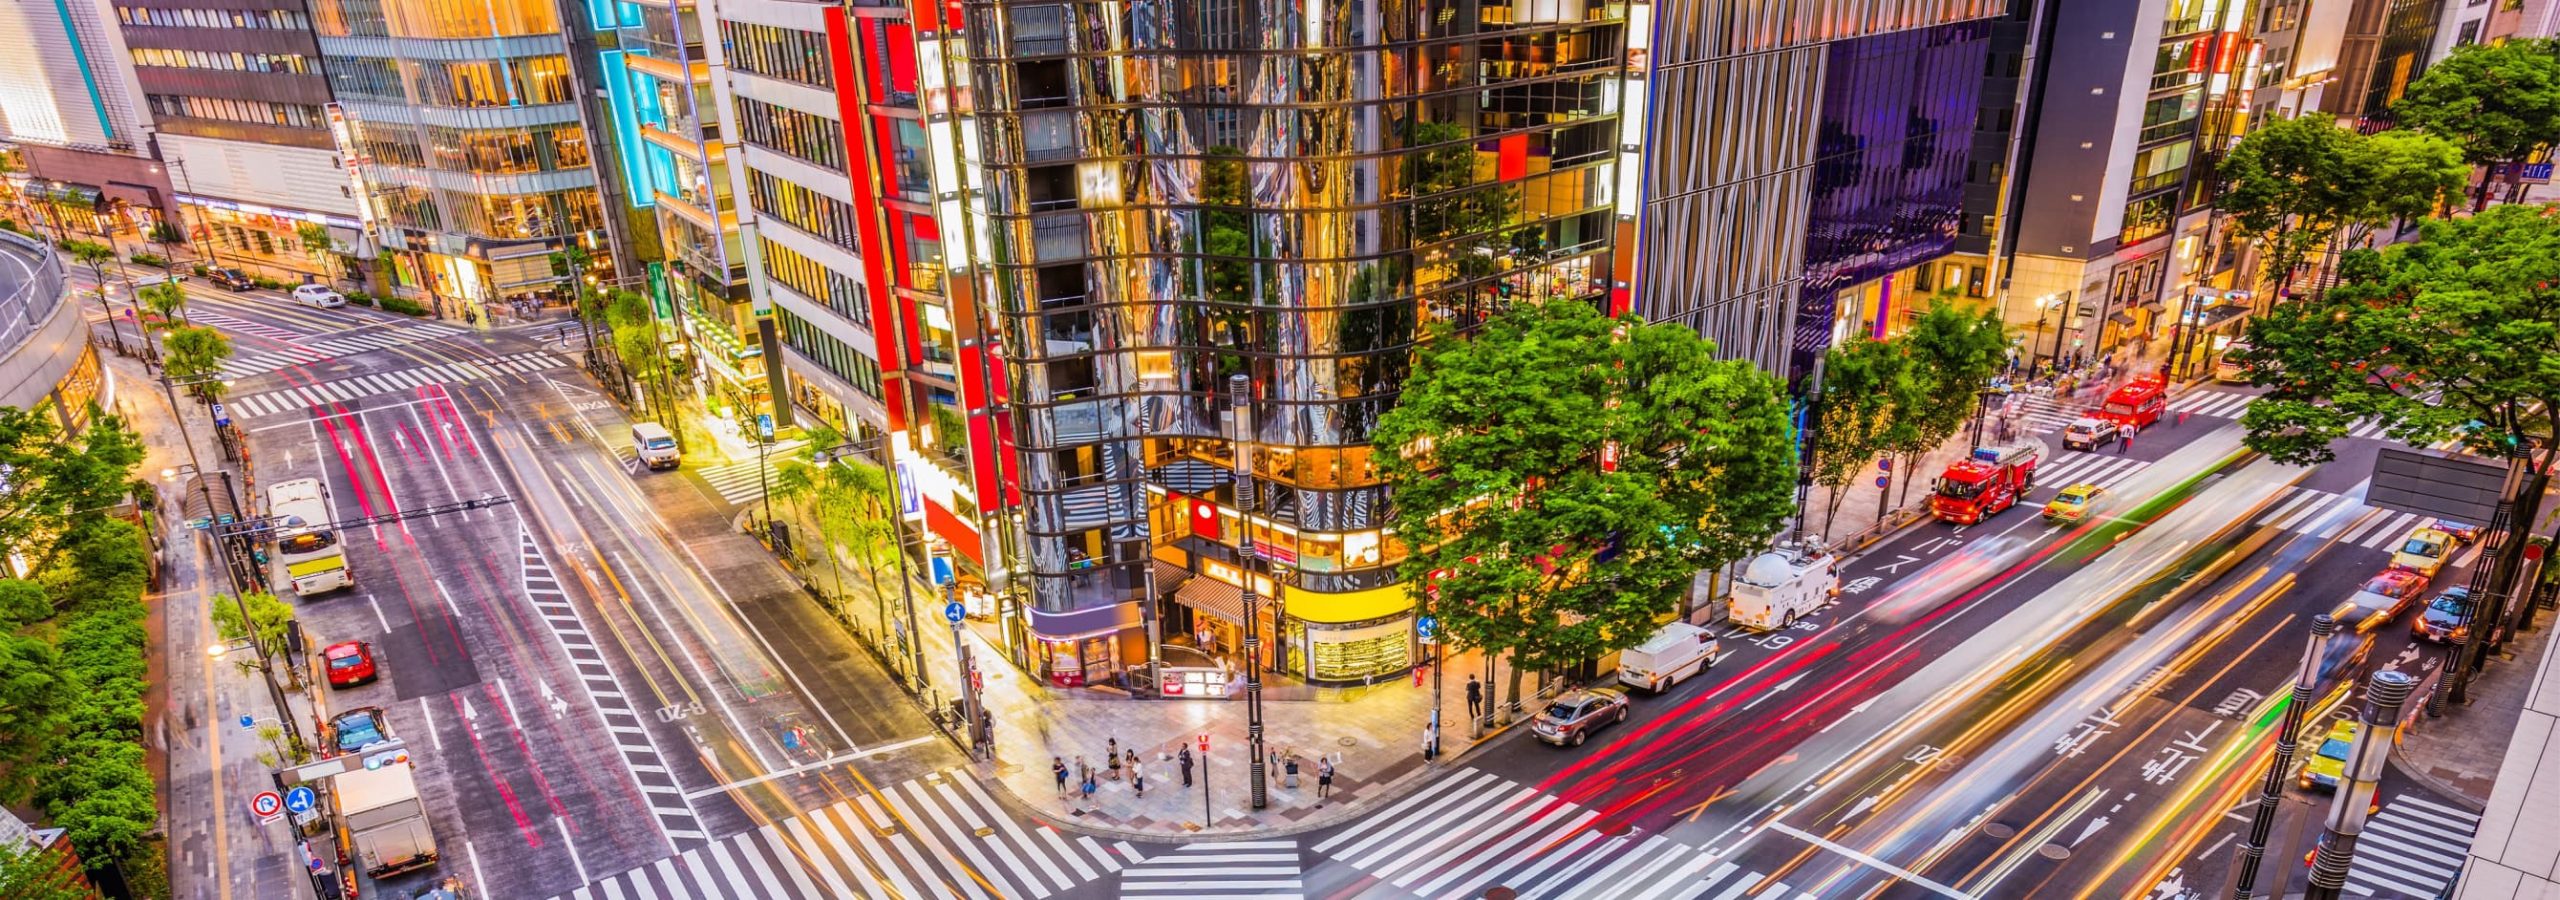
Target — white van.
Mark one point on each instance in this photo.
(656, 445)
(1673, 654)
(1781, 586)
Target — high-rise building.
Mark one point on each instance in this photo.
(1182, 191)
(471, 141)
(1804, 158)
(73, 111)
(244, 129)
(2386, 46)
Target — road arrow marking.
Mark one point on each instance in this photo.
(559, 707)
(2094, 825)
(470, 715)
(1854, 710)
(1863, 804)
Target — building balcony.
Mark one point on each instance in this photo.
(2157, 182)
(697, 72)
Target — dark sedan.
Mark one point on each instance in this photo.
(2442, 622)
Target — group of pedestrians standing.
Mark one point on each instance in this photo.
(1123, 764)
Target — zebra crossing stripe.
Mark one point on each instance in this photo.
(2296, 498)
(2307, 511)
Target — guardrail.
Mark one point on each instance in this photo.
(30, 303)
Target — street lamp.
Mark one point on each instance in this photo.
(1240, 402)
(2045, 304)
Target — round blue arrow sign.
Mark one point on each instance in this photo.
(954, 612)
(301, 799)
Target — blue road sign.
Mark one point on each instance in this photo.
(1427, 626)
(300, 799)
(247, 722)
(764, 425)
(955, 612)
(221, 416)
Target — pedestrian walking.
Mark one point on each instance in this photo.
(1088, 787)
(1138, 777)
(2124, 441)
(1131, 757)
(1324, 781)
(1059, 766)
(1475, 698)
(1186, 766)
(1111, 756)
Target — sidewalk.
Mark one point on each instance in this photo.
(2459, 755)
(1374, 732)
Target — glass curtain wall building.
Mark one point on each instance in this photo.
(1180, 191)
(470, 142)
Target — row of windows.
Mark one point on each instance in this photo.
(793, 133)
(235, 62)
(830, 353)
(785, 53)
(499, 151)
(441, 19)
(813, 212)
(815, 281)
(278, 19)
(295, 115)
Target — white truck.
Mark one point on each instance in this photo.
(382, 811)
(1784, 585)
(1671, 656)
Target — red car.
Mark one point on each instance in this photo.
(350, 663)
(2381, 599)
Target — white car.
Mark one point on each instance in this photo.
(318, 296)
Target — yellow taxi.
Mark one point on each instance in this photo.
(2073, 503)
(2425, 552)
(2328, 764)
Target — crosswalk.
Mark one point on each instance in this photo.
(2212, 403)
(1263, 869)
(2040, 413)
(2100, 469)
(739, 483)
(354, 387)
(237, 325)
(1473, 832)
(2412, 848)
(317, 351)
(2337, 517)
(936, 836)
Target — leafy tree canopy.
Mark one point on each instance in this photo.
(267, 618)
(1495, 454)
(54, 481)
(26, 874)
(2295, 183)
(2495, 101)
(2450, 336)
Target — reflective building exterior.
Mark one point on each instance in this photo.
(1183, 190)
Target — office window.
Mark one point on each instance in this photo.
(790, 132)
(808, 278)
(818, 214)
(785, 53)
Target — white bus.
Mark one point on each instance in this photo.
(307, 538)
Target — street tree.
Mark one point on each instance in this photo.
(27, 873)
(96, 255)
(196, 354)
(321, 246)
(167, 302)
(168, 237)
(267, 619)
(2296, 185)
(57, 481)
(1559, 475)
(1862, 380)
(34, 702)
(2496, 101)
(1954, 349)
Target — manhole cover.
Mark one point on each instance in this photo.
(1498, 892)
(1999, 830)
(1347, 742)
(2054, 851)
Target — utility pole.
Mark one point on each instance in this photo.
(2271, 789)
(2363, 773)
(1240, 400)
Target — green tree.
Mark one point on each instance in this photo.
(268, 619)
(2295, 185)
(1537, 548)
(1862, 380)
(1954, 350)
(58, 482)
(322, 247)
(2495, 101)
(96, 255)
(196, 354)
(29, 874)
(22, 603)
(167, 302)
(34, 703)
(168, 238)
(2403, 176)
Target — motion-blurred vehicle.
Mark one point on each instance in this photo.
(1573, 717)
(359, 728)
(2442, 620)
(2328, 763)
(2089, 433)
(2382, 598)
(318, 296)
(2425, 552)
(350, 663)
(2073, 503)
(232, 280)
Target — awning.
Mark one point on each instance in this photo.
(1093, 622)
(1214, 597)
(200, 503)
(2224, 313)
(2120, 318)
(131, 194)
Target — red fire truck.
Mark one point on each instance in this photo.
(1994, 479)
(2137, 404)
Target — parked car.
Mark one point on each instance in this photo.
(2381, 598)
(2442, 620)
(2073, 503)
(2328, 763)
(318, 296)
(2088, 433)
(2464, 532)
(232, 280)
(350, 663)
(2425, 552)
(1573, 717)
(359, 728)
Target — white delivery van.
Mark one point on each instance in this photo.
(1673, 654)
(1781, 586)
(656, 445)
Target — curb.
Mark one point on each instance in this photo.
(2400, 763)
(1389, 792)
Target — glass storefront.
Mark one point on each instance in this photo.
(1358, 651)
